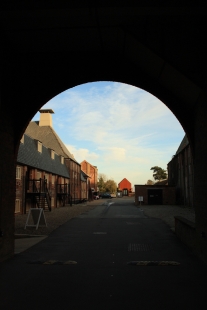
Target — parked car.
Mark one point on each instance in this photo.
(105, 195)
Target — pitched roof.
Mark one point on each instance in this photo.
(124, 179)
(29, 155)
(49, 138)
(85, 161)
(183, 144)
(84, 176)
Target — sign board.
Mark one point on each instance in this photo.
(37, 216)
(140, 198)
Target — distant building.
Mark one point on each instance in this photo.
(125, 186)
(154, 194)
(92, 172)
(180, 173)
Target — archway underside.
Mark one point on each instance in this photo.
(46, 50)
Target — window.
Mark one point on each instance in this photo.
(18, 172)
(53, 179)
(52, 154)
(62, 159)
(39, 146)
(47, 178)
(38, 175)
(17, 205)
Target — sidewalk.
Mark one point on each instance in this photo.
(167, 213)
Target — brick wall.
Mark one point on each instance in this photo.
(125, 184)
(168, 193)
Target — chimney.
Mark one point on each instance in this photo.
(46, 117)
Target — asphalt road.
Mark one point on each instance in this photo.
(90, 262)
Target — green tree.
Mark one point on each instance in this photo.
(159, 173)
(110, 186)
(101, 182)
(106, 185)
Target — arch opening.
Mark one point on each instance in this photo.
(114, 126)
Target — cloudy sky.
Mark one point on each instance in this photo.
(121, 129)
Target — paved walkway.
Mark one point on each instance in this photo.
(167, 213)
(25, 238)
(113, 257)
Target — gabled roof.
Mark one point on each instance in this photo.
(29, 155)
(85, 161)
(84, 176)
(49, 138)
(183, 144)
(125, 180)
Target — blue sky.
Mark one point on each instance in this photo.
(119, 128)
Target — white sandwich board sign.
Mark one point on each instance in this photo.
(37, 217)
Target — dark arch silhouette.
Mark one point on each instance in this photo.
(49, 48)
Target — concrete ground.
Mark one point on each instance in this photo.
(114, 256)
(25, 238)
(167, 213)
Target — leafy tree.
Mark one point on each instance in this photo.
(159, 173)
(101, 184)
(105, 185)
(110, 186)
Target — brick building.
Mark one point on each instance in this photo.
(47, 173)
(180, 173)
(154, 194)
(125, 186)
(92, 172)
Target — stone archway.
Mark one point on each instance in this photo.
(47, 49)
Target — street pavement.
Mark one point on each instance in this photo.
(112, 257)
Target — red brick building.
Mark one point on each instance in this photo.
(92, 172)
(125, 186)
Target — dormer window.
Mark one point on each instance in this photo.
(62, 160)
(39, 146)
(52, 154)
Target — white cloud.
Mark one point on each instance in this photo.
(119, 128)
(81, 154)
(113, 153)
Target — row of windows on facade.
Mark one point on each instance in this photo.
(52, 153)
(18, 204)
(38, 175)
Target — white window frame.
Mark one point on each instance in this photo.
(39, 146)
(52, 154)
(18, 172)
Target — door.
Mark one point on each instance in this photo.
(155, 196)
